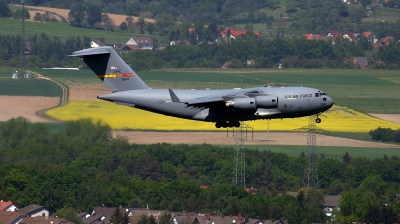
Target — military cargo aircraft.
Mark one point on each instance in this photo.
(226, 108)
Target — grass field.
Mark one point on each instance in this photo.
(26, 87)
(62, 30)
(331, 151)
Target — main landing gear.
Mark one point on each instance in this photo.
(227, 124)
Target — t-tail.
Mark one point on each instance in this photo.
(111, 69)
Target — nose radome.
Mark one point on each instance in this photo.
(330, 102)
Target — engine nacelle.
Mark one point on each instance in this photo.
(267, 102)
(242, 104)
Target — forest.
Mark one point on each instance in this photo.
(82, 166)
(291, 53)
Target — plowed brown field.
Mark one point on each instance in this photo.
(118, 19)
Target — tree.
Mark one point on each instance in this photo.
(18, 14)
(356, 14)
(165, 218)
(94, 15)
(119, 218)
(123, 26)
(150, 28)
(343, 10)
(364, 2)
(5, 11)
(346, 158)
(77, 15)
(69, 214)
(144, 219)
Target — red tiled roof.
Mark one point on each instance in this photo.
(334, 33)
(233, 32)
(4, 205)
(386, 39)
(311, 36)
(351, 35)
(257, 33)
(366, 34)
(191, 30)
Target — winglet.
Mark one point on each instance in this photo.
(174, 98)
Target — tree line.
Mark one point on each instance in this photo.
(385, 135)
(44, 50)
(266, 53)
(83, 166)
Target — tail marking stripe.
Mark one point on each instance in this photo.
(116, 75)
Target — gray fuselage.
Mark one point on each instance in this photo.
(288, 102)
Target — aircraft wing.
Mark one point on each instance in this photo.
(217, 98)
(213, 99)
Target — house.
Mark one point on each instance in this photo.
(8, 205)
(27, 48)
(8, 217)
(35, 210)
(370, 37)
(360, 62)
(176, 42)
(251, 190)
(187, 219)
(350, 36)
(226, 64)
(333, 33)
(94, 219)
(312, 36)
(44, 220)
(250, 62)
(126, 47)
(258, 34)
(97, 43)
(141, 42)
(385, 41)
(207, 219)
(331, 202)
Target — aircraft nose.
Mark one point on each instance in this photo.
(329, 102)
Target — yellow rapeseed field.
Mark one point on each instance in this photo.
(337, 119)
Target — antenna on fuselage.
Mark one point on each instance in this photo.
(241, 83)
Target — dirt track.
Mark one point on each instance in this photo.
(258, 138)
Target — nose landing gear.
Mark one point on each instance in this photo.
(318, 120)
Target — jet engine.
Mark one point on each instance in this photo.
(242, 104)
(253, 103)
(267, 102)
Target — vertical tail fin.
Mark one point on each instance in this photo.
(111, 69)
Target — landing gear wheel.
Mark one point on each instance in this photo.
(318, 120)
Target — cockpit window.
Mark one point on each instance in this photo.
(319, 94)
(316, 94)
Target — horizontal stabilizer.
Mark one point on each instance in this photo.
(90, 51)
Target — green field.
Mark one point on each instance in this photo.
(62, 30)
(26, 87)
(367, 91)
(331, 151)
